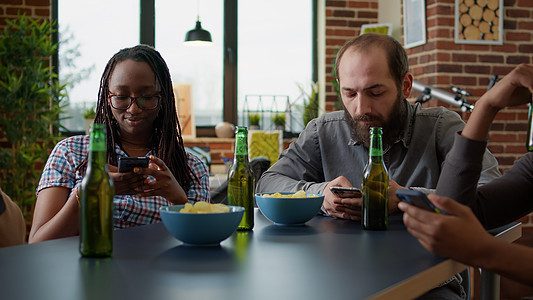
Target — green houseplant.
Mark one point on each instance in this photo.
(253, 120)
(89, 115)
(279, 120)
(335, 84)
(310, 109)
(31, 101)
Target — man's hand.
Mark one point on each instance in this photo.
(343, 208)
(393, 199)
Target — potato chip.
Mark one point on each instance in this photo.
(219, 208)
(186, 208)
(202, 207)
(298, 194)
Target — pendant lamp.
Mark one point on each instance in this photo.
(198, 36)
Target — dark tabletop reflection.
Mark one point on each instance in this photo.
(191, 259)
(342, 226)
(100, 279)
(284, 234)
(339, 226)
(282, 230)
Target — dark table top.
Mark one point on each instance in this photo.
(326, 258)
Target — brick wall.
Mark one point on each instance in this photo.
(220, 148)
(442, 63)
(343, 22)
(39, 9)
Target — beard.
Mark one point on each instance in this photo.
(360, 132)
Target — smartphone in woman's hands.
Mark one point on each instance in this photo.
(126, 164)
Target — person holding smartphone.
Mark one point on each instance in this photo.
(372, 71)
(462, 235)
(136, 103)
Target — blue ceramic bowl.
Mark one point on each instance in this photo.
(201, 229)
(289, 211)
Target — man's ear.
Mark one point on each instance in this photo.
(407, 85)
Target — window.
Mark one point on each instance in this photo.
(199, 66)
(87, 42)
(275, 57)
(274, 50)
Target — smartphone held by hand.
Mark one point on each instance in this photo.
(126, 164)
(346, 191)
(418, 199)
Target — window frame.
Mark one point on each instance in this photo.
(230, 55)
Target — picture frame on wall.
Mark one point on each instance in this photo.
(385, 28)
(184, 109)
(414, 23)
(266, 143)
(479, 22)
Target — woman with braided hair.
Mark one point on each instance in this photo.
(136, 104)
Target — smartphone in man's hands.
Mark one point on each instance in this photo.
(346, 191)
(126, 164)
(418, 199)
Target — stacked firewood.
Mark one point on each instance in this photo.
(479, 20)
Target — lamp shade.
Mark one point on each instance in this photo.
(198, 34)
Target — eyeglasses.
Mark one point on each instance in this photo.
(143, 102)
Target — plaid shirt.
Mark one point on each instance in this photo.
(129, 210)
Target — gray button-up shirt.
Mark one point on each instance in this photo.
(325, 150)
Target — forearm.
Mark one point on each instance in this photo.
(63, 224)
(510, 260)
(179, 197)
(272, 182)
(478, 125)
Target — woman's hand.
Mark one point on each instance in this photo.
(514, 89)
(161, 183)
(126, 183)
(459, 236)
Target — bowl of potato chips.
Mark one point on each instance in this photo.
(201, 224)
(289, 208)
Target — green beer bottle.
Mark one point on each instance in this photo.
(241, 179)
(96, 206)
(375, 186)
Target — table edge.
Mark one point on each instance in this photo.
(411, 287)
